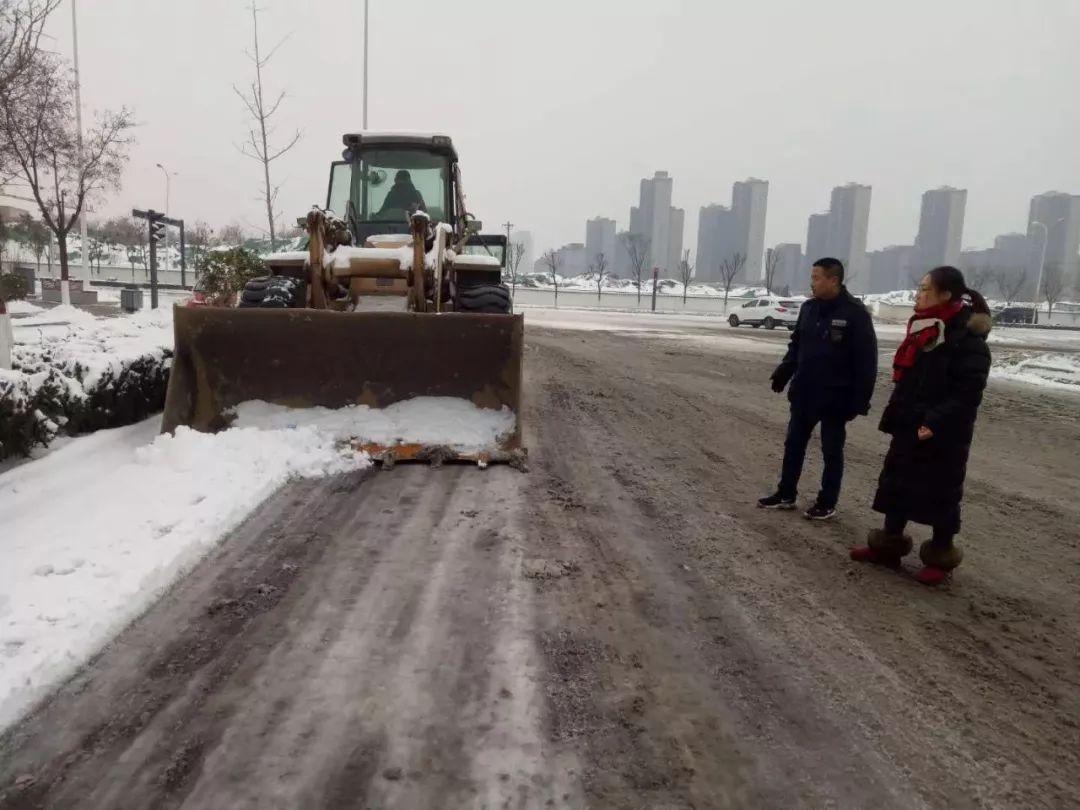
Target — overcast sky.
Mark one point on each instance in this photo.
(559, 107)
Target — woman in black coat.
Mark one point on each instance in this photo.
(940, 372)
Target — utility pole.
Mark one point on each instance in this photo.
(65, 293)
(508, 253)
(365, 60)
(168, 264)
(655, 275)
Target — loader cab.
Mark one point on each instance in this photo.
(382, 176)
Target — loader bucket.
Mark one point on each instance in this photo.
(308, 357)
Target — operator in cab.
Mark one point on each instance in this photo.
(403, 195)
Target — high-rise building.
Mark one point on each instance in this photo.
(723, 231)
(817, 237)
(849, 222)
(1060, 215)
(749, 203)
(941, 227)
(841, 233)
(652, 217)
(713, 220)
(675, 244)
(600, 239)
(792, 273)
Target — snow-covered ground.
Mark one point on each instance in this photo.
(92, 533)
(1051, 370)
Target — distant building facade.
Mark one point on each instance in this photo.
(842, 232)
(600, 239)
(892, 268)
(724, 231)
(792, 270)
(941, 227)
(1060, 214)
(656, 220)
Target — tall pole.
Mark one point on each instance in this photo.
(1042, 265)
(65, 293)
(365, 60)
(168, 265)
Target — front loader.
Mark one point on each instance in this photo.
(396, 296)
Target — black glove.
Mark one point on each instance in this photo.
(777, 384)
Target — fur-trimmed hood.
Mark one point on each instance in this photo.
(979, 323)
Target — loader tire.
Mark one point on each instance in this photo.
(275, 292)
(487, 298)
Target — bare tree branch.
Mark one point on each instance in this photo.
(37, 129)
(729, 271)
(637, 249)
(258, 145)
(772, 260)
(553, 262)
(599, 269)
(686, 273)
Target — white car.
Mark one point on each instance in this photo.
(769, 312)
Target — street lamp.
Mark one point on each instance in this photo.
(84, 243)
(168, 258)
(1042, 264)
(365, 60)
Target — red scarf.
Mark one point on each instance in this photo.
(925, 332)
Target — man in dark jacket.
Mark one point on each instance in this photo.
(831, 364)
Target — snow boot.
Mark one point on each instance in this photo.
(939, 562)
(883, 548)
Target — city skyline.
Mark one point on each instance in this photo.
(842, 231)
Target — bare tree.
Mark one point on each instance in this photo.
(199, 239)
(37, 236)
(258, 145)
(1010, 282)
(129, 234)
(553, 262)
(96, 249)
(599, 269)
(37, 130)
(21, 26)
(232, 236)
(979, 278)
(637, 250)
(686, 273)
(772, 261)
(513, 265)
(729, 271)
(1053, 287)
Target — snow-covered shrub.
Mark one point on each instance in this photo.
(101, 373)
(13, 286)
(223, 273)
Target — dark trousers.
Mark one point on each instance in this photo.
(833, 435)
(895, 523)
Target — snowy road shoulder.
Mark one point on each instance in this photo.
(95, 532)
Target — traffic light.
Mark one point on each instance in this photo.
(157, 230)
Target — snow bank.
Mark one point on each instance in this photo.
(22, 308)
(96, 531)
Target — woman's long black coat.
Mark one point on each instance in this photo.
(924, 480)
